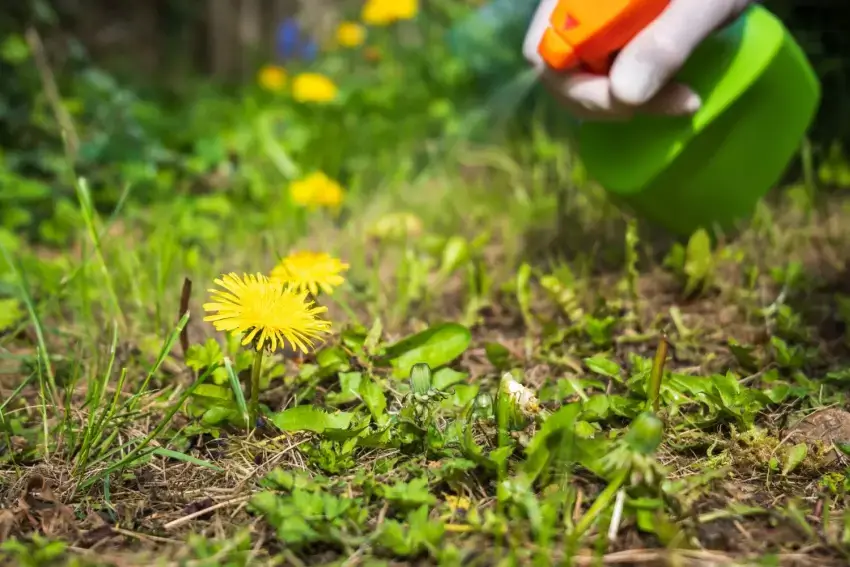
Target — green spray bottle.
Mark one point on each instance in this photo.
(709, 170)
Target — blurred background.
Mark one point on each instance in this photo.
(154, 101)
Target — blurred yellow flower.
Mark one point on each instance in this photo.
(456, 503)
(316, 190)
(376, 13)
(350, 34)
(310, 271)
(272, 78)
(384, 12)
(313, 87)
(265, 311)
(406, 9)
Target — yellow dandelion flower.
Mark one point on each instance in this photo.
(377, 13)
(265, 311)
(456, 503)
(406, 9)
(316, 190)
(350, 34)
(313, 87)
(272, 78)
(310, 271)
(385, 12)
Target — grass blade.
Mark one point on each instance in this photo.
(167, 347)
(137, 451)
(656, 375)
(89, 218)
(23, 287)
(237, 391)
(168, 453)
(94, 425)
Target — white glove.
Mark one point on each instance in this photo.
(638, 81)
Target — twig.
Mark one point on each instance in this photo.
(145, 537)
(186, 519)
(51, 91)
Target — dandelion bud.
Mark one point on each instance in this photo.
(516, 401)
(482, 406)
(420, 379)
(645, 433)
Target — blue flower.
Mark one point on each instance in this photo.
(292, 44)
(310, 50)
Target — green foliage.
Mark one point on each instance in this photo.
(308, 516)
(199, 357)
(308, 418)
(39, 552)
(415, 535)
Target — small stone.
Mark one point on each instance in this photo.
(823, 427)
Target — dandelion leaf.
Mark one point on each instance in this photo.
(310, 418)
(436, 347)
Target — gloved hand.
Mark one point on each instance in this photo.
(638, 81)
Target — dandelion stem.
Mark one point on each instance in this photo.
(255, 384)
(602, 501)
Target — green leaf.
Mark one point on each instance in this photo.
(14, 49)
(463, 394)
(624, 407)
(411, 494)
(349, 386)
(455, 254)
(596, 408)
(795, 456)
(445, 378)
(11, 313)
(728, 389)
(349, 382)
(553, 444)
(373, 338)
(743, 354)
(604, 367)
(778, 393)
(213, 391)
(310, 418)
(202, 356)
(699, 261)
(219, 414)
(372, 395)
(236, 387)
(185, 458)
(585, 429)
(498, 355)
(523, 293)
(436, 346)
(332, 359)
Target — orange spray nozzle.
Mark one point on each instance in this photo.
(587, 35)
